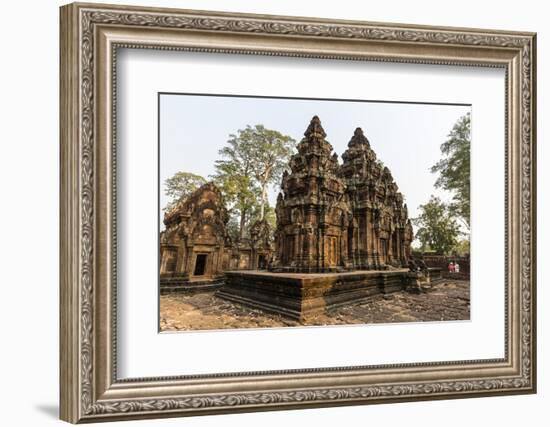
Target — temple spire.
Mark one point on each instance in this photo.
(358, 138)
(315, 130)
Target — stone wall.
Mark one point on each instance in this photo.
(442, 262)
(302, 296)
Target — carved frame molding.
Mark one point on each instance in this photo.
(90, 36)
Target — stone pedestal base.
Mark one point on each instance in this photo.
(170, 283)
(301, 296)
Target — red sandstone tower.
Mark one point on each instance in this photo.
(313, 212)
(333, 217)
(382, 231)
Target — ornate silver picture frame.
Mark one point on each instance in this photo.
(91, 36)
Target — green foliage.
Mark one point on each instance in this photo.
(234, 181)
(438, 229)
(269, 216)
(252, 160)
(180, 186)
(233, 228)
(454, 168)
(462, 247)
(269, 152)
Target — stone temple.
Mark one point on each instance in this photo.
(195, 247)
(381, 232)
(343, 232)
(314, 215)
(339, 218)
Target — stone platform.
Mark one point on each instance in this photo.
(170, 283)
(300, 296)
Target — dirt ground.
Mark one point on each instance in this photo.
(446, 300)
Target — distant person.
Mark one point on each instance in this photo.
(451, 267)
(457, 267)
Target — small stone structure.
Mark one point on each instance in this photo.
(196, 250)
(194, 246)
(261, 245)
(254, 252)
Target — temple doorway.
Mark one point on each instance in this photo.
(332, 251)
(262, 264)
(200, 265)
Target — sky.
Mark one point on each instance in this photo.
(406, 137)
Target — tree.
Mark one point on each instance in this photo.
(270, 153)
(462, 247)
(180, 186)
(232, 228)
(454, 168)
(253, 159)
(233, 177)
(438, 229)
(239, 194)
(269, 216)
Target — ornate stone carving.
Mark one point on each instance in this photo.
(195, 247)
(383, 234)
(313, 211)
(195, 243)
(334, 218)
(261, 242)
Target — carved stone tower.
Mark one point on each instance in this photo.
(313, 211)
(381, 232)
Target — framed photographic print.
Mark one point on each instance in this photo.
(267, 212)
